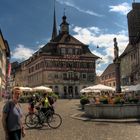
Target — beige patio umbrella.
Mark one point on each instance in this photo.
(26, 89)
(86, 90)
(132, 88)
(42, 89)
(98, 88)
(138, 87)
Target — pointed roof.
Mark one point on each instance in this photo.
(87, 53)
(54, 33)
(66, 39)
(127, 50)
(110, 68)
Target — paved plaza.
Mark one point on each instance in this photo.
(74, 129)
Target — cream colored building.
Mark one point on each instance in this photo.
(4, 57)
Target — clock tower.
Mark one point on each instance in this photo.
(64, 26)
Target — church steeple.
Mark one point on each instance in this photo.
(64, 25)
(54, 33)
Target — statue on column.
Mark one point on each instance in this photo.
(116, 49)
(117, 66)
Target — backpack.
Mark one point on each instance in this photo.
(43, 102)
(51, 100)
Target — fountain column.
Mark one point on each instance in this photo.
(117, 66)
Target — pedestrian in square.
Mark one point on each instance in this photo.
(12, 117)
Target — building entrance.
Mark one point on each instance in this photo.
(70, 91)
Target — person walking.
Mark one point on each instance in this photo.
(12, 117)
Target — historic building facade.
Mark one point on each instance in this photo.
(4, 63)
(108, 77)
(130, 65)
(65, 64)
(130, 58)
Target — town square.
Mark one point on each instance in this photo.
(78, 129)
(70, 70)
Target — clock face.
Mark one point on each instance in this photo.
(64, 28)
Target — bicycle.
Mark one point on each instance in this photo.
(39, 118)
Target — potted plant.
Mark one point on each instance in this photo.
(83, 101)
(103, 100)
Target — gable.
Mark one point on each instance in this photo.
(67, 39)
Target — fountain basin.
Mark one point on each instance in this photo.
(115, 111)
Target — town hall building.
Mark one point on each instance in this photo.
(64, 64)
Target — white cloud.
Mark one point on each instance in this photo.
(71, 4)
(120, 26)
(122, 8)
(99, 72)
(103, 40)
(22, 53)
(94, 29)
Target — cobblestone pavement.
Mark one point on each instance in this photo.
(73, 129)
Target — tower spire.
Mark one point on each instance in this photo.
(54, 33)
(64, 11)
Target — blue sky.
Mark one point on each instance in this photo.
(27, 25)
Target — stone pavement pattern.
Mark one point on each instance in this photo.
(73, 129)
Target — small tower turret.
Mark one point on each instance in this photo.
(64, 26)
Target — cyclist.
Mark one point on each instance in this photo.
(45, 105)
(32, 102)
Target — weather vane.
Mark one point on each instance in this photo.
(54, 2)
(64, 11)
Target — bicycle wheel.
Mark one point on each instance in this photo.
(54, 121)
(41, 119)
(31, 120)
